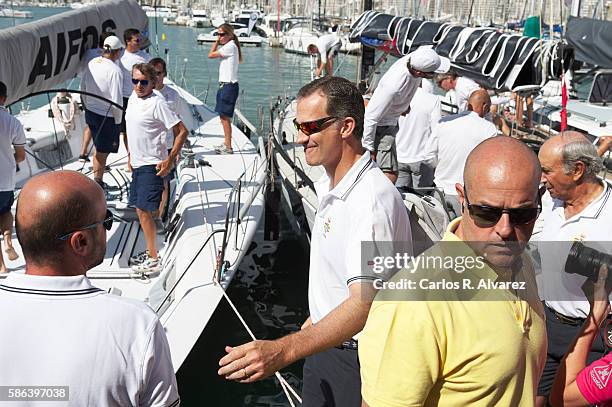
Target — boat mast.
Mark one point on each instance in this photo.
(367, 60)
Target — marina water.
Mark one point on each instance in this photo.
(270, 288)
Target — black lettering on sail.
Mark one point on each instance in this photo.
(73, 48)
(44, 61)
(89, 32)
(61, 52)
(109, 25)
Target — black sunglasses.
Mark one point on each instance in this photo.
(107, 222)
(221, 34)
(313, 126)
(487, 216)
(143, 82)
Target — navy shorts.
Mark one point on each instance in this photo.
(146, 188)
(6, 201)
(104, 131)
(226, 99)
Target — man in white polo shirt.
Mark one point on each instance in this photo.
(413, 141)
(60, 330)
(581, 210)
(461, 86)
(453, 140)
(356, 204)
(148, 120)
(12, 138)
(391, 99)
(326, 47)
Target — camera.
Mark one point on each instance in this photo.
(586, 261)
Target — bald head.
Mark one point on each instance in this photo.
(556, 143)
(479, 102)
(53, 204)
(502, 161)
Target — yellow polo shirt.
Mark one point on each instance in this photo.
(453, 353)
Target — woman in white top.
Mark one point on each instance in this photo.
(227, 94)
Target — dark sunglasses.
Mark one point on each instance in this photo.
(313, 126)
(221, 34)
(137, 39)
(107, 222)
(487, 216)
(143, 82)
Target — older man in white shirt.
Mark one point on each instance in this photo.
(391, 99)
(581, 211)
(453, 140)
(461, 86)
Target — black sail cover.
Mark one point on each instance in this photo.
(494, 59)
(43, 54)
(591, 39)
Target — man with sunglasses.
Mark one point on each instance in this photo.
(466, 347)
(132, 55)
(63, 331)
(581, 210)
(357, 205)
(148, 120)
(391, 99)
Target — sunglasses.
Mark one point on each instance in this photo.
(107, 222)
(488, 216)
(137, 39)
(143, 82)
(221, 34)
(313, 126)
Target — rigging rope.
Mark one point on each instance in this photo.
(287, 389)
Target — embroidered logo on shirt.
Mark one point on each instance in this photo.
(601, 375)
(326, 227)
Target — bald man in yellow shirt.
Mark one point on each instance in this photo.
(488, 351)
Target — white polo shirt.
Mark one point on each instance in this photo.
(390, 100)
(363, 206)
(228, 68)
(453, 140)
(127, 61)
(325, 43)
(463, 90)
(147, 121)
(592, 226)
(172, 99)
(413, 138)
(104, 78)
(11, 134)
(62, 331)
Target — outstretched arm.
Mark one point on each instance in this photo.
(259, 359)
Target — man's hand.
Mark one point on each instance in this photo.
(373, 155)
(253, 361)
(164, 167)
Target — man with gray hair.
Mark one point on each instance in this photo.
(581, 210)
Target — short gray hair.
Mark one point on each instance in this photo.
(584, 152)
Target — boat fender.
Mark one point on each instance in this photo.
(64, 109)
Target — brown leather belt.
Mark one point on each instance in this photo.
(564, 319)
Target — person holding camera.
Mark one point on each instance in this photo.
(575, 383)
(581, 210)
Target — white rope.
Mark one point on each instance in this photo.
(287, 389)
